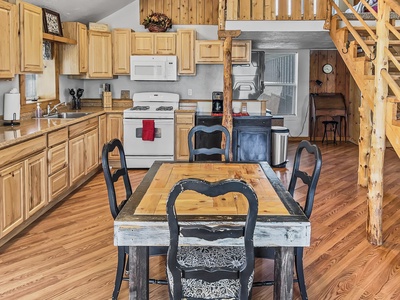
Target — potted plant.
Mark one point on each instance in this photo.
(157, 22)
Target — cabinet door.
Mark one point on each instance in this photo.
(36, 184)
(251, 144)
(185, 52)
(209, 52)
(57, 157)
(83, 48)
(91, 150)
(11, 197)
(58, 182)
(7, 40)
(114, 131)
(121, 51)
(241, 51)
(181, 142)
(142, 43)
(165, 43)
(31, 38)
(100, 54)
(102, 134)
(76, 159)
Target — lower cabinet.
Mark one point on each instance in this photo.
(114, 131)
(102, 134)
(12, 182)
(83, 149)
(36, 184)
(251, 138)
(184, 121)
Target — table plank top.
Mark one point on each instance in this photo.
(192, 203)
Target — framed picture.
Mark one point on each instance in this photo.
(52, 22)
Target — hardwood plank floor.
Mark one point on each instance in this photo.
(69, 254)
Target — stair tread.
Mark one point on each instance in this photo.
(393, 99)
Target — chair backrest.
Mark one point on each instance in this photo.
(112, 178)
(208, 151)
(202, 232)
(310, 180)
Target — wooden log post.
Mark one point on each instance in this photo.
(227, 119)
(378, 137)
(364, 143)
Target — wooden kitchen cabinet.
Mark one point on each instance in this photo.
(185, 51)
(7, 39)
(121, 46)
(35, 184)
(30, 38)
(22, 182)
(147, 43)
(100, 54)
(211, 52)
(74, 58)
(184, 121)
(102, 134)
(57, 156)
(114, 131)
(12, 181)
(83, 149)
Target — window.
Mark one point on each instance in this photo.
(280, 82)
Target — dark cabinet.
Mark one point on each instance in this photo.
(251, 138)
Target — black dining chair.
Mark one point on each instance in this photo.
(115, 206)
(210, 272)
(311, 181)
(208, 151)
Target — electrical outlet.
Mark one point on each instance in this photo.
(190, 92)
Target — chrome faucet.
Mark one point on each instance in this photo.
(50, 110)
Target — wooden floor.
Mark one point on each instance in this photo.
(69, 252)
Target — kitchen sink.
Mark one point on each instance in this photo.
(67, 115)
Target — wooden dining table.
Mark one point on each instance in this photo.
(143, 222)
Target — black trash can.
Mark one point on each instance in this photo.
(279, 144)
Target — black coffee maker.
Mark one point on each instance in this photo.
(217, 102)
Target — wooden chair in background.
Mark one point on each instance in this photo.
(311, 181)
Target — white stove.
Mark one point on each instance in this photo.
(149, 129)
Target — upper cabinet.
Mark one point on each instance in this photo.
(100, 54)
(211, 52)
(185, 52)
(74, 58)
(7, 39)
(31, 38)
(121, 48)
(146, 43)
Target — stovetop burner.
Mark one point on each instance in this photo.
(140, 108)
(164, 108)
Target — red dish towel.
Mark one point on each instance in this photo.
(148, 130)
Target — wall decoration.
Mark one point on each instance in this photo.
(52, 22)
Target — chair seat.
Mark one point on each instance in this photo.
(211, 257)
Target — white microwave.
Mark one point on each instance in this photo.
(156, 68)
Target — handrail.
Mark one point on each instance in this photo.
(393, 85)
(393, 30)
(354, 32)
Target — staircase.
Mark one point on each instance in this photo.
(357, 45)
(371, 53)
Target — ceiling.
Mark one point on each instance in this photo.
(83, 11)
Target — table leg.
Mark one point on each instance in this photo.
(138, 273)
(283, 273)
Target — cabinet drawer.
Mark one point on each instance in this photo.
(82, 127)
(57, 157)
(21, 150)
(57, 137)
(58, 182)
(184, 119)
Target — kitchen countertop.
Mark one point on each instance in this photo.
(30, 128)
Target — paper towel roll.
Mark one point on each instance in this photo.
(11, 107)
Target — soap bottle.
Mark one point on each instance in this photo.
(38, 111)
